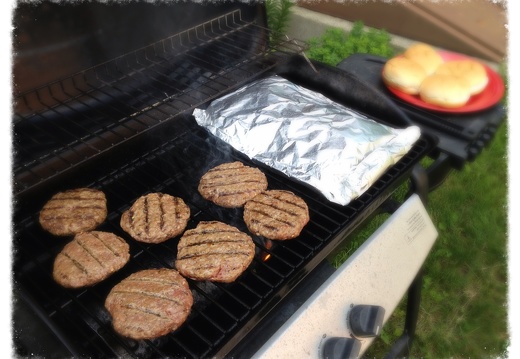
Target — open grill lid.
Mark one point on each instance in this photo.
(71, 37)
(63, 124)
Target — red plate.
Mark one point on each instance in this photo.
(487, 98)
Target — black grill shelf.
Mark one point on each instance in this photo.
(222, 313)
(70, 121)
(461, 136)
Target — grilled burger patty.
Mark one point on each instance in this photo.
(232, 184)
(155, 217)
(214, 251)
(149, 303)
(90, 258)
(276, 214)
(73, 211)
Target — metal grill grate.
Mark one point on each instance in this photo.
(70, 121)
(222, 313)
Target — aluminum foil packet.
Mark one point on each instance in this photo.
(307, 136)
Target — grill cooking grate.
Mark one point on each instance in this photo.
(222, 313)
(70, 121)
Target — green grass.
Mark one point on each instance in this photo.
(463, 312)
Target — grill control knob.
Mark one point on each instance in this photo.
(366, 320)
(340, 348)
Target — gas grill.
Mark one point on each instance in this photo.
(122, 123)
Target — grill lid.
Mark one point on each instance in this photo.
(54, 40)
(64, 124)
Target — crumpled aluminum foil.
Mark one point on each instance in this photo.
(305, 135)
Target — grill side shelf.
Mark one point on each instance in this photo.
(69, 122)
(461, 136)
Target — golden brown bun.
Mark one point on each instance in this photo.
(403, 74)
(472, 71)
(424, 55)
(445, 90)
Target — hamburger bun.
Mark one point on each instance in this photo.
(445, 90)
(424, 55)
(404, 75)
(472, 71)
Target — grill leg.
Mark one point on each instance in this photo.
(401, 347)
(439, 170)
(419, 183)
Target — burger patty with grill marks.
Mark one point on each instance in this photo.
(90, 258)
(276, 214)
(232, 184)
(149, 303)
(214, 251)
(74, 211)
(155, 217)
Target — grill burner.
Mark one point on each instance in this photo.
(124, 127)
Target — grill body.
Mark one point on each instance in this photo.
(124, 126)
(222, 313)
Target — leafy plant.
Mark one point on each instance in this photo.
(336, 44)
(278, 14)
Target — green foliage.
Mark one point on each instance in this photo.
(335, 44)
(278, 14)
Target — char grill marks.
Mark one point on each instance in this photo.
(73, 211)
(214, 251)
(276, 214)
(232, 184)
(149, 303)
(155, 217)
(90, 258)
